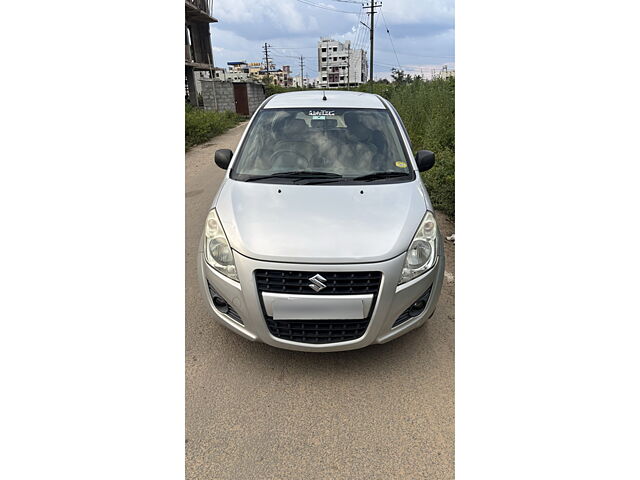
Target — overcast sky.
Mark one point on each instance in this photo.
(422, 32)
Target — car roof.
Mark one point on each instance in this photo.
(335, 99)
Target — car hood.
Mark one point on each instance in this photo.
(320, 223)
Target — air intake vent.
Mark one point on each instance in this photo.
(317, 331)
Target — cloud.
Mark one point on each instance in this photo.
(422, 31)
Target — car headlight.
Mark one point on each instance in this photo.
(422, 252)
(217, 249)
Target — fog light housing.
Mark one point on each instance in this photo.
(221, 304)
(416, 309)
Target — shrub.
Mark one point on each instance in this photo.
(202, 125)
(427, 109)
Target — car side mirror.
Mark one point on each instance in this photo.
(425, 159)
(223, 158)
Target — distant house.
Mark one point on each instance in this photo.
(198, 56)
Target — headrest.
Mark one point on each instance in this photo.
(295, 126)
(355, 125)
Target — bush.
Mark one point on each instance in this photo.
(272, 89)
(202, 125)
(428, 112)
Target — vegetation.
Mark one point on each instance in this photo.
(427, 109)
(272, 89)
(201, 125)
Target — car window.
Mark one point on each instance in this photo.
(346, 142)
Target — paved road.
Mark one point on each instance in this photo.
(256, 412)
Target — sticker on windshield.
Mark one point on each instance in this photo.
(401, 164)
(313, 113)
(318, 117)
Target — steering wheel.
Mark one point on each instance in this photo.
(283, 154)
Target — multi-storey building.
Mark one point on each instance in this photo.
(198, 56)
(339, 65)
(443, 73)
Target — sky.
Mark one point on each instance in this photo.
(420, 31)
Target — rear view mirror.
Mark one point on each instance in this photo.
(223, 158)
(425, 159)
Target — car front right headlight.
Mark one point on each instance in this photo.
(217, 249)
(422, 252)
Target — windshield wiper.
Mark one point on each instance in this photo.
(379, 176)
(298, 175)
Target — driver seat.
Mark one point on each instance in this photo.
(293, 136)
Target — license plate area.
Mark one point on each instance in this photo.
(314, 307)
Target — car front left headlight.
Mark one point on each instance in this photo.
(423, 252)
(217, 249)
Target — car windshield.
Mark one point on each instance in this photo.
(315, 146)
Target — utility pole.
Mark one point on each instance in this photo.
(266, 56)
(301, 71)
(371, 6)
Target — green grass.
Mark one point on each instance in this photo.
(202, 125)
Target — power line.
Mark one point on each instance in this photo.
(390, 39)
(311, 4)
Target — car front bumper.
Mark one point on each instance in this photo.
(392, 299)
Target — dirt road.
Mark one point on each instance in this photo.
(256, 412)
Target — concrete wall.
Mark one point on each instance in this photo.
(223, 94)
(255, 93)
(225, 97)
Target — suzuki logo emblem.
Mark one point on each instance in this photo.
(317, 282)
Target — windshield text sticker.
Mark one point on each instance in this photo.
(314, 113)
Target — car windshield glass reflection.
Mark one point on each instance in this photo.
(322, 146)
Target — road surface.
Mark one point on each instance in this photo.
(257, 412)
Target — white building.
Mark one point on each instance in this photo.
(306, 81)
(339, 65)
(443, 73)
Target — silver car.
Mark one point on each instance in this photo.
(322, 236)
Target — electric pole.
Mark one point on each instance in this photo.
(371, 6)
(301, 71)
(266, 56)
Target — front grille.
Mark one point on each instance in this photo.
(230, 311)
(317, 331)
(337, 283)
